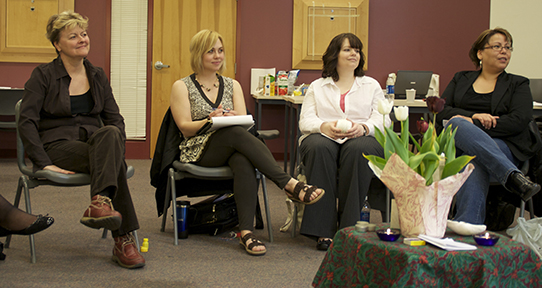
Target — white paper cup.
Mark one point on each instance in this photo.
(410, 95)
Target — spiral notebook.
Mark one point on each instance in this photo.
(246, 121)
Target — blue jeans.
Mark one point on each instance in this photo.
(494, 162)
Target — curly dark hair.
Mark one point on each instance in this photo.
(332, 53)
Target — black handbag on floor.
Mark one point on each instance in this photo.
(213, 215)
(2, 255)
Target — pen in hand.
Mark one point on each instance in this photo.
(223, 111)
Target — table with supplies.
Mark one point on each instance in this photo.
(260, 100)
(292, 109)
(361, 259)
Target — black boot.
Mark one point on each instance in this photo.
(522, 186)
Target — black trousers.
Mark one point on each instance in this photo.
(101, 156)
(343, 172)
(242, 152)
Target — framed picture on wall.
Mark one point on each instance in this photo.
(315, 23)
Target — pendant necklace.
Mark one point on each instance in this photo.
(209, 89)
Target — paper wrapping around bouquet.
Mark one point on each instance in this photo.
(422, 209)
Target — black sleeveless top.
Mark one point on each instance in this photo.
(81, 104)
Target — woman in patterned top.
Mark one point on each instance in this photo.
(206, 94)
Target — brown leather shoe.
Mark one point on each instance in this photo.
(100, 214)
(125, 252)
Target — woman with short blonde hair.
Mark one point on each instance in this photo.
(206, 94)
(69, 122)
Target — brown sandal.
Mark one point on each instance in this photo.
(255, 242)
(301, 186)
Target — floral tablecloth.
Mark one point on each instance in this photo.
(360, 259)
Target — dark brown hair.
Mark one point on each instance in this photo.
(332, 53)
(483, 39)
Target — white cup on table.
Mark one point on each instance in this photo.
(410, 95)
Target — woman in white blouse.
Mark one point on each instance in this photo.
(333, 154)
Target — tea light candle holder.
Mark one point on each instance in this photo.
(486, 239)
(388, 234)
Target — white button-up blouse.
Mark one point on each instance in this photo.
(321, 104)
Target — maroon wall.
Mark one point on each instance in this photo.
(413, 35)
(403, 35)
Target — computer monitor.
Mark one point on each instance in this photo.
(418, 80)
(536, 89)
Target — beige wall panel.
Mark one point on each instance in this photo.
(22, 29)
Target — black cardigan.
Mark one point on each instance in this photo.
(511, 101)
(167, 150)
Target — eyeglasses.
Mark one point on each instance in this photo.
(499, 48)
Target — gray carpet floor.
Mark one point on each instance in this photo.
(72, 255)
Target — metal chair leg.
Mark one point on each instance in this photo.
(531, 208)
(388, 205)
(267, 213)
(20, 186)
(166, 204)
(134, 233)
(522, 209)
(24, 180)
(173, 198)
(294, 220)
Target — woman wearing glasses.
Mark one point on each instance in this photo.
(491, 110)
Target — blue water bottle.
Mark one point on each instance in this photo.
(365, 214)
(390, 84)
(182, 216)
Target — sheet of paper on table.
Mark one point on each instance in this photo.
(447, 243)
(245, 121)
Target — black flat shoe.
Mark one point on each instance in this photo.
(522, 186)
(41, 223)
(323, 244)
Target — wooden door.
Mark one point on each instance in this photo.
(174, 24)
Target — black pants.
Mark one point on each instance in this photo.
(101, 156)
(242, 152)
(342, 171)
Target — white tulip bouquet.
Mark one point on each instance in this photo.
(436, 157)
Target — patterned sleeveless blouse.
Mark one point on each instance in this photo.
(200, 107)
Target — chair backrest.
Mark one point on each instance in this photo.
(8, 99)
(20, 147)
(536, 89)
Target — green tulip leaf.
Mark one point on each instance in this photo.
(416, 160)
(430, 168)
(418, 147)
(399, 148)
(454, 166)
(380, 137)
(405, 133)
(428, 136)
(377, 161)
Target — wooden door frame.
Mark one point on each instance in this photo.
(139, 149)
